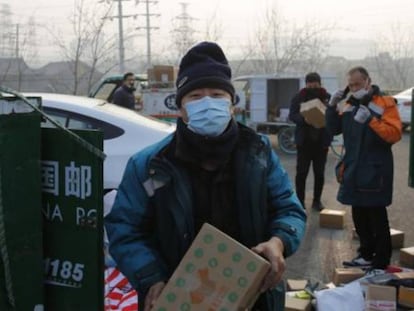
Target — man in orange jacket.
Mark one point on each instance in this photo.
(370, 124)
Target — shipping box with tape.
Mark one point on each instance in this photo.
(216, 273)
(380, 298)
(314, 112)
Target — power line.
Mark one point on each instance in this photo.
(120, 18)
(148, 26)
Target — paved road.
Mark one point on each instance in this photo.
(324, 249)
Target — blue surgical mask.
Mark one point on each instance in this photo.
(208, 116)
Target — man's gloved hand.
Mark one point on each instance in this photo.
(336, 98)
(362, 114)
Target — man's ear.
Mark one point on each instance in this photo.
(232, 108)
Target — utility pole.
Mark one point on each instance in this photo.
(17, 41)
(120, 18)
(148, 27)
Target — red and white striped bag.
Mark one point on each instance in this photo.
(119, 294)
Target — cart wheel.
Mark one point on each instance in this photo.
(286, 139)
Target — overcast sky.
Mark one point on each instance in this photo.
(354, 19)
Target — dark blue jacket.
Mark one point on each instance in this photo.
(124, 96)
(366, 172)
(151, 225)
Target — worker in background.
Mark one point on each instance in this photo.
(312, 143)
(124, 95)
(370, 124)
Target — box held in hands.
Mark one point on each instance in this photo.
(216, 273)
(314, 112)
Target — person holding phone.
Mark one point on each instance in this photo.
(312, 143)
(370, 125)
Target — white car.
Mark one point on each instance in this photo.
(404, 106)
(125, 131)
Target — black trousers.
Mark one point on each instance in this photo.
(307, 154)
(372, 227)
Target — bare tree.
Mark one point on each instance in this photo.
(213, 28)
(393, 54)
(281, 46)
(89, 48)
(26, 48)
(101, 48)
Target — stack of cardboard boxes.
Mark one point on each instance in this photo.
(162, 76)
(377, 297)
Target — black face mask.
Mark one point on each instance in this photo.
(312, 93)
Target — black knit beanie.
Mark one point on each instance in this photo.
(204, 65)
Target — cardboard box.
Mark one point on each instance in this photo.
(162, 74)
(346, 275)
(216, 273)
(406, 296)
(407, 257)
(294, 285)
(397, 237)
(314, 112)
(296, 304)
(333, 219)
(379, 298)
(404, 275)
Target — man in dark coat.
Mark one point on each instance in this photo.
(124, 95)
(312, 143)
(211, 169)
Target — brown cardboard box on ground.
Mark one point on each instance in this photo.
(294, 285)
(379, 298)
(333, 219)
(314, 112)
(346, 275)
(397, 237)
(296, 304)
(406, 296)
(407, 257)
(216, 273)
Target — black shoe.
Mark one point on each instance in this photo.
(317, 205)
